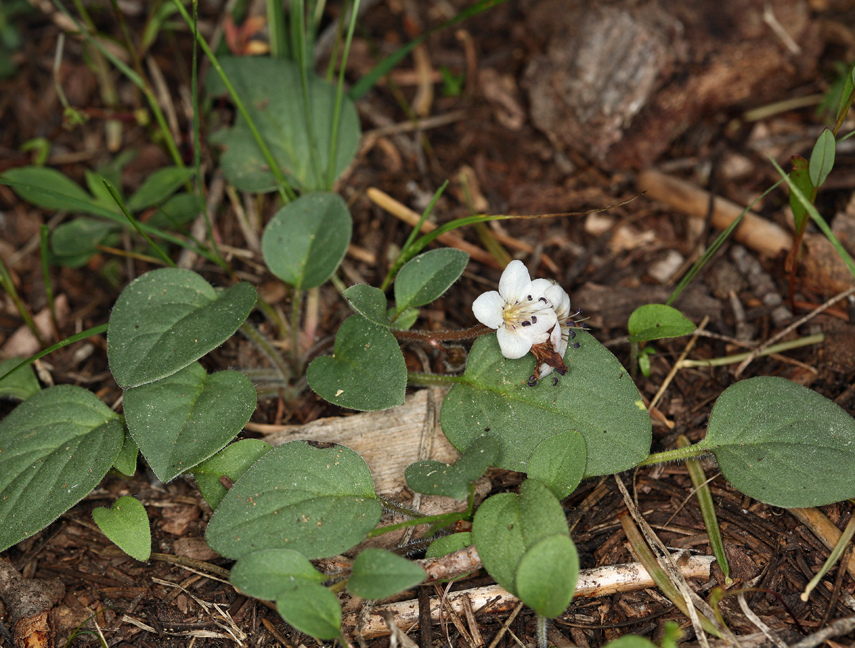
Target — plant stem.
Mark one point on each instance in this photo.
(680, 454)
(431, 380)
(739, 357)
(9, 286)
(541, 632)
(296, 355)
(443, 336)
(339, 95)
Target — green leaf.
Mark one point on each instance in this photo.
(271, 89)
(232, 462)
(801, 177)
(448, 544)
(822, 158)
(178, 210)
(305, 241)
(559, 462)
(159, 186)
(80, 236)
(404, 320)
(264, 574)
(547, 574)
(47, 188)
(595, 397)
(126, 525)
(181, 420)
(630, 641)
(507, 526)
(656, 322)
(846, 92)
(366, 371)
(782, 443)
(427, 276)
(54, 449)
(437, 478)
(126, 462)
(311, 608)
(378, 573)
(318, 501)
(168, 318)
(369, 302)
(20, 385)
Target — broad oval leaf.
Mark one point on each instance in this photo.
(369, 302)
(656, 322)
(783, 444)
(159, 186)
(822, 158)
(366, 371)
(427, 276)
(81, 236)
(54, 449)
(453, 480)
(559, 462)
(311, 608)
(595, 397)
(168, 318)
(177, 211)
(179, 421)
(318, 501)
(271, 89)
(305, 241)
(232, 462)
(547, 574)
(264, 574)
(378, 573)
(126, 525)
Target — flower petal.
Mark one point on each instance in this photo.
(539, 287)
(487, 309)
(513, 346)
(559, 299)
(515, 282)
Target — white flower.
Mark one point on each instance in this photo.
(559, 336)
(519, 311)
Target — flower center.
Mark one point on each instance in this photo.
(523, 312)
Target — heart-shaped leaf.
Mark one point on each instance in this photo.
(369, 302)
(366, 371)
(232, 462)
(126, 525)
(318, 501)
(595, 397)
(427, 276)
(656, 322)
(311, 608)
(159, 186)
(180, 421)
(782, 443)
(547, 574)
(305, 241)
(264, 574)
(559, 462)
(168, 318)
(19, 385)
(270, 89)
(378, 573)
(437, 478)
(54, 449)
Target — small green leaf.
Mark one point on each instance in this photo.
(95, 184)
(846, 93)
(264, 574)
(81, 236)
(630, 641)
(20, 385)
(559, 462)
(656, 322)
(782, 443)
(159, 186)
(801, 177)
(168, 318)
(427, 276)
(54, 449)
(448, 544)
(270, 89)
(369, 302)
(437, 478)
(596, 397)
(378, 573)
(178, 210)
(547, 574)
(232, 462)
(405, 319)
(181, 420)
(47, 188)
(305, 241)
(126, 462)
(366, 371)
(497, 537)
(318, 501)
(822, 158)
(126, 525)
(311, 608)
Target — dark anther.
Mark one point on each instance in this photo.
(527, 323)
(486, 429)
(534, 319)
(576, 345)
(572, 334)
(554, 381)
(529, 297)
(532, 380)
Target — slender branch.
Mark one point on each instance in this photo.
(432, 337)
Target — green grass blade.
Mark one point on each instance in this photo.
(339, 93)
(133, 221)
